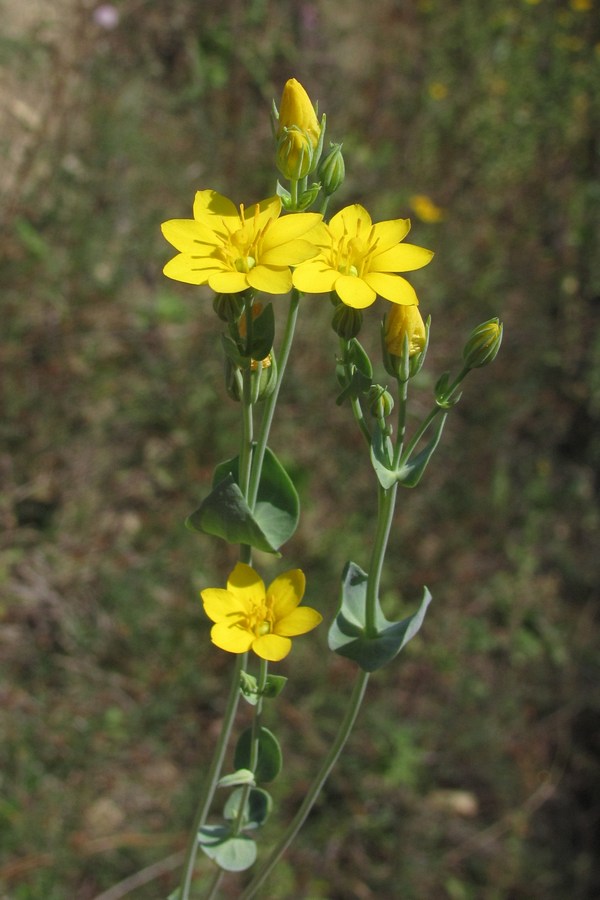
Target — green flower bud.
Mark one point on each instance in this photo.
(381, 402)
(228, 307)
(332, 170)
(346, 321)
(483, 344)
(295, 153)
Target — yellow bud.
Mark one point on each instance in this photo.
(401, 322)
(297, 111)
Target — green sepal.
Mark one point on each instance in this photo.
(269, 761)
(263, 333)
(257, 809)
(347, 635)
(226, 514)
(232, 853)
(411, 472)
(361, 371)
(232, 351)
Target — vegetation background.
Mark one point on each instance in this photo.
(474, 769)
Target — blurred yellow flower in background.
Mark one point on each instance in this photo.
(424, 207)
(231, 249)
(249, 617)
(358, 260)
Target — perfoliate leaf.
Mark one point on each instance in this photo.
(258, 807)
(234, 854)
(241, 776)
(348, 636)
(269, 762)
(226, 514)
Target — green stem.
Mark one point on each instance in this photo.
(212, 777)
(271, 402)
(314, 790)
(386, 501)
(401, 421)
(254, 744)
(432, 415)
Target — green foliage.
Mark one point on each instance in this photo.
(226, 514)
(349, 634)
(269, 761)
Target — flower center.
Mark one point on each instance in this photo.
(353, 253)
(260, 619)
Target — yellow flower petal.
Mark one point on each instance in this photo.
(211, 203)
(231, 638)
(349, 220)
(286, 592)
(354, 291)
(221, 605)
(290, 254)
(186, 235)
(228, 282)
(267, 210)
(272, 647)
(392, 288)
(390, 232)
(403, 258)
(315, 277)
(270, 280)
(288, 228)
(244, 582)
(299, 621)
(185, 268)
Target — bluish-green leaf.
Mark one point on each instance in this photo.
(269, 762)
(274, 686)
(258, 807)
(226, 514)
(240, 776)
(382, 452)
(347, 635)
(231, 853)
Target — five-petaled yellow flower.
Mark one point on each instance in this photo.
(249, 617)
(358, 260)
(231, 249)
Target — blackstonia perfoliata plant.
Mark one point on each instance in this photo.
(282, 245)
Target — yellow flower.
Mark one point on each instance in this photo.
(426, 209)
(232, 250)
(247, 616)
(357, 260)
(404, 321)
(296, 111)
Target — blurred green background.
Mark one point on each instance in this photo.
(474, 771)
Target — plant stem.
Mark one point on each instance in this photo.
(386, 501)
(314, 790)
(214, 887)
(254, 742)
(271, 402)
(212, 777)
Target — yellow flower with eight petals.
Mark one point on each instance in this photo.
(248, 616)
(231, 249)
(358, 260)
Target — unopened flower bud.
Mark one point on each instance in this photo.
(483, 344)
(332, 170)
(228, 307)
(346, 321)
(381, 402)
(404, 322)
(297, 111)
